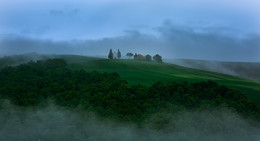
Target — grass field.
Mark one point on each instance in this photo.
(248, 70)
(147, 73)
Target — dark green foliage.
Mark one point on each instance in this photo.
(110, 55)
(129, 54)
(135, 56)
(148, 57)
(33, 83)
(157, 58)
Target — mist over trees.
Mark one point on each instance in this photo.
(53, 123)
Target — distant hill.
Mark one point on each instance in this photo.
(250, 70)
(15, 60)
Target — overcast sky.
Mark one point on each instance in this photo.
(196, 29)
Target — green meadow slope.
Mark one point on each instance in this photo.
(147, 73)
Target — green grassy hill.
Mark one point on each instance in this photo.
(147, 73)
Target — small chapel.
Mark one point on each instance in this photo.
(115, 55)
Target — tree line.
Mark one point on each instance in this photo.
(147, 57)
(117, 55)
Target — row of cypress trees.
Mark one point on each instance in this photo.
(111, 55)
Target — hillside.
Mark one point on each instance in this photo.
(141, 72)
(249, 70)
(147, 73)
(106, 94)
(59, 96)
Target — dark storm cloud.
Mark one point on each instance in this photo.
(185, 42)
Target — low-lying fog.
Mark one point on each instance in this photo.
(53, 123)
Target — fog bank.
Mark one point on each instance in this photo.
(54, 123)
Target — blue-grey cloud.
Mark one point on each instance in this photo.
(64, 12)
(86, 19)
(185, 42)
(56, 12)
(170, 41)
(37, 31)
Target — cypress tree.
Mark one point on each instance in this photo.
(110, 55)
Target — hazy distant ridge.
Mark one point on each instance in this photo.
(250, 70)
